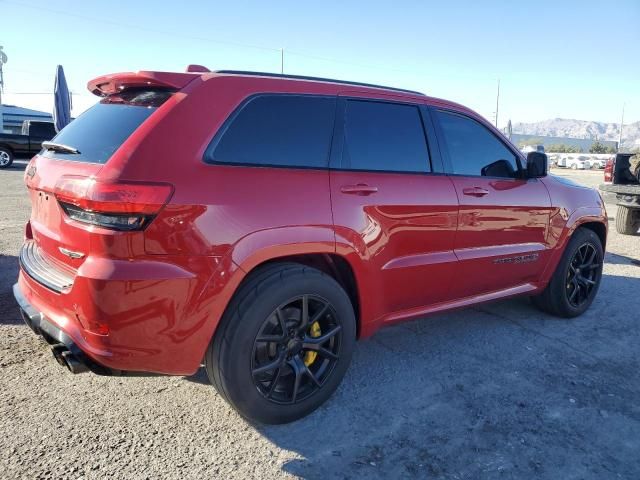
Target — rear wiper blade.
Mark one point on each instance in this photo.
(59, 147)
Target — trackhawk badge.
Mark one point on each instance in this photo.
(519, 259)
(31, 171)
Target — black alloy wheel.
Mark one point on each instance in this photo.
(582, 275)
(296, 349)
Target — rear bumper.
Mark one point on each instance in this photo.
(154, 315)
(65, 349)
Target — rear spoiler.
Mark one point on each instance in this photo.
(116, 82)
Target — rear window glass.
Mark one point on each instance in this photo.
(279, 130)
(102, 129)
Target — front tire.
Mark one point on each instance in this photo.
(627, 220)
(283, 345)
(576, 280)
(6, 157)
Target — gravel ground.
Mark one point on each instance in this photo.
(497, 391)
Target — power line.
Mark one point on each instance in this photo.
(224, 42)
(138, 27)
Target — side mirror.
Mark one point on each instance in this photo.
(536, 165)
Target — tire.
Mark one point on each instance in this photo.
(555, 299)
(574, 166)
(232, 359)
(627, 220)
(6, 157)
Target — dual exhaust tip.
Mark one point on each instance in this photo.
(67, 359)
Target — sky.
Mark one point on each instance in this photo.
(554, 59)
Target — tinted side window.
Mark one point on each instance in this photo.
(42, 129)
(384, 136)
(473, 149)
(283, 130)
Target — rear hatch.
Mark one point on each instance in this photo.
(75, 210)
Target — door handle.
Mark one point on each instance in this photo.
(359, 189)
(475, 191)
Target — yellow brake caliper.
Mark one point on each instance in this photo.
(310, 356)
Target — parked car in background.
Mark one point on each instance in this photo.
(598, 163)
(259, 224)
(581, 162)
(26, 144)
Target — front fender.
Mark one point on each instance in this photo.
(563, 225)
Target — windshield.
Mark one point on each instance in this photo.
(101, 130)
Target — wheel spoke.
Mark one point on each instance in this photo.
(281, 321)
(320, 314)
(590, 260)
(323, 352)
(274, 382)
(576, 288)
(297, 370)
(322, 338)
(587, 281)
(269, 366)
(311, 375)
(304, 320)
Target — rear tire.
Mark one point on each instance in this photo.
(575, 277)
(6, 157)
(264, 325)
(627, 220)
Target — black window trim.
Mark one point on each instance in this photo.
(208, 158)
(446, 159)
(433, 160)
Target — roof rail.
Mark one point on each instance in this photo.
(316, 79)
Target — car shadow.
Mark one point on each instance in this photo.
(9, 311)
(500, 389)
(615, 259)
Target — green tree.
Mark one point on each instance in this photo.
(597, 147)
(563, 148)
(610, 149)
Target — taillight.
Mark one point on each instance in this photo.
(118, 206)
(608, 170)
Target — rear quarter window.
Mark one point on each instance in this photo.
(277, 130)
(102, 129)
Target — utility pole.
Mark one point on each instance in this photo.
(3, 60)
(621, 124)
(497, 102)
(282, 60)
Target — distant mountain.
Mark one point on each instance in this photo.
(562, 127)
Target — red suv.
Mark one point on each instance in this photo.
(259, 224)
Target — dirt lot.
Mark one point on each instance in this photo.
(497, 391)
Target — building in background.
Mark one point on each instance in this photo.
(12, 117)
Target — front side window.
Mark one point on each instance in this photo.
(279, 130)
(473, 149)
(385, 137)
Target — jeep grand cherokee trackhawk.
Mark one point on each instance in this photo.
(259, 224)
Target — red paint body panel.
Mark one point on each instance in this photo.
(416, 245)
